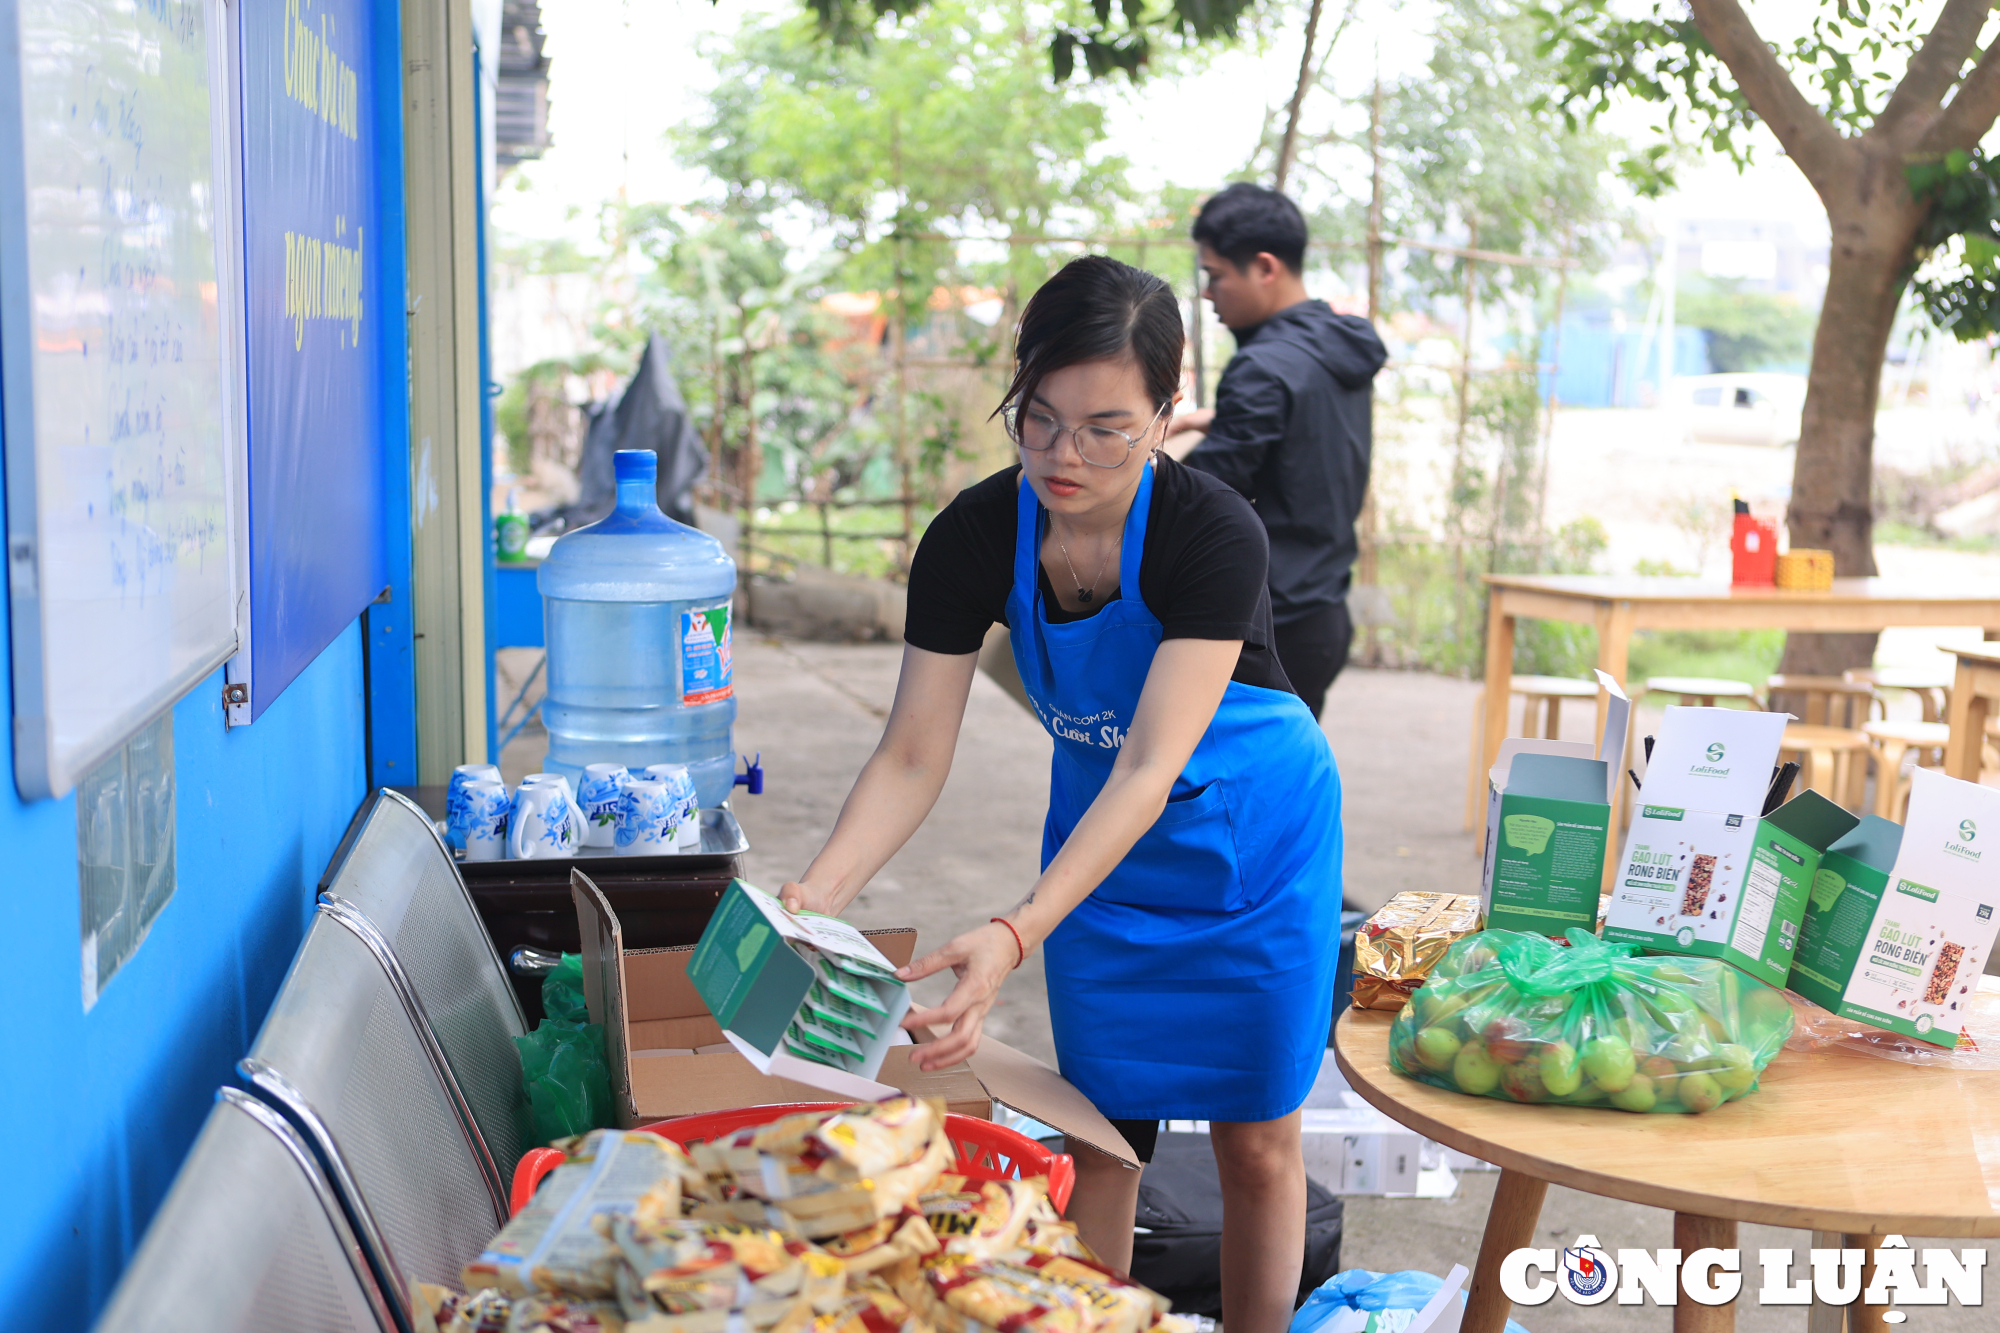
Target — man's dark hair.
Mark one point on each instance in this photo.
(1097, 309)
(1246, 220)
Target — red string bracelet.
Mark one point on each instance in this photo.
(1020, 949)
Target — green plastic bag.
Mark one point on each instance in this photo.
(562, 991)
(569, 1083)
(1519, 1017)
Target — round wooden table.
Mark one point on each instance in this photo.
(1830, 1142)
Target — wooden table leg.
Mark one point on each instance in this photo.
(1499, 679)
(1691, 1233)
(1510, 1225)
(1968, 725)
(1822, 1318)
(1861, 1315)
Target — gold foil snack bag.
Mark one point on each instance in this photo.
(1398, 946)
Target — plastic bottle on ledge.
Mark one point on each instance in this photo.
(636, 615)
(510, 530)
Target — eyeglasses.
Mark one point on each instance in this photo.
(1099, 446)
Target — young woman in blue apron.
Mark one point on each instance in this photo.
(1190, 895)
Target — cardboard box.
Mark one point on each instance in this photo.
(669, 1058)
(1901, 920)
(749, 970)
(1702, 873)
(1548, 819)
(1358, 1150)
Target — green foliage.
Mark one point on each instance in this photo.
(1747, 330)
(1126, 38)
(1604, 49)
(1440, 610)
(1745, 655)
(945, 123)
(1957, 262)
(1468, 138)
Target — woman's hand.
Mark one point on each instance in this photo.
(805, 896)
(981, 959)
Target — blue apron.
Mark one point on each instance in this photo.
(1196, 982)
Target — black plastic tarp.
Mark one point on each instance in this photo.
(648, 413)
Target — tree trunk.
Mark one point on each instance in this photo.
(1874, 224)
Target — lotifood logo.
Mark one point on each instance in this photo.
(1711, 769)
(1967, 831)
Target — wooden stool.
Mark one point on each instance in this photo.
(1702, 690)
(1890, 741)
(1833, 760)
(1546, 693)
(1824, 701)
(1932, 688)
(1542, 697)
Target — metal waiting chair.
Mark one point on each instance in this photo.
(341, 1055)
(251, 1239)
(394, 869)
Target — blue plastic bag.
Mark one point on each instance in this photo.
(1359, 1289)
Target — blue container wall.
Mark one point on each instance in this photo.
(1599, 365)
(100, 1108)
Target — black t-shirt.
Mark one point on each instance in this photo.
(1202, 575)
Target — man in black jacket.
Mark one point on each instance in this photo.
(1291, 425)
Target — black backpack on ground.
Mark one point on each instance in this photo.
(1177, 1250)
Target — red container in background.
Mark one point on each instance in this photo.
(1753, 551)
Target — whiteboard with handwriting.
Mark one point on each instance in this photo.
(119, 430)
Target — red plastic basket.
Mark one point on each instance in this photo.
(984, 1150)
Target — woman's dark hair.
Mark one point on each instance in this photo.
(1247, 220)
(1097, 309)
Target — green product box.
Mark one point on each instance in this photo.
(1548, 830)
(1901, 918)
(1702, 873)
(756, 967)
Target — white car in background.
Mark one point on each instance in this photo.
(1739, 408)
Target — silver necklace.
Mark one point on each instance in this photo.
(1083, 594)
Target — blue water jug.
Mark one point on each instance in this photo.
(635, 612)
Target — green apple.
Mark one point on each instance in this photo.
(1561, 1074)
(1699, 1092)
(1738, 1071)
(1609, 1063)
(1436, 1004)
(1474, 1070)
(1437, 1048)
(1766, 1010)
(1637, 1095)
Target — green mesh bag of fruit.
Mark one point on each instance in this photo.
(1520, 1017)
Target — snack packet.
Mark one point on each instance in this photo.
(1397, 947)
(871, 1311)
(846, 986)
(554, 1244)
(985, 1222)
(560, 1314)
(1048, 1233)
(442, 1310)
(961, 1295)
(907, 1235)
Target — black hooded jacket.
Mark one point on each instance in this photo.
(1292, 433)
